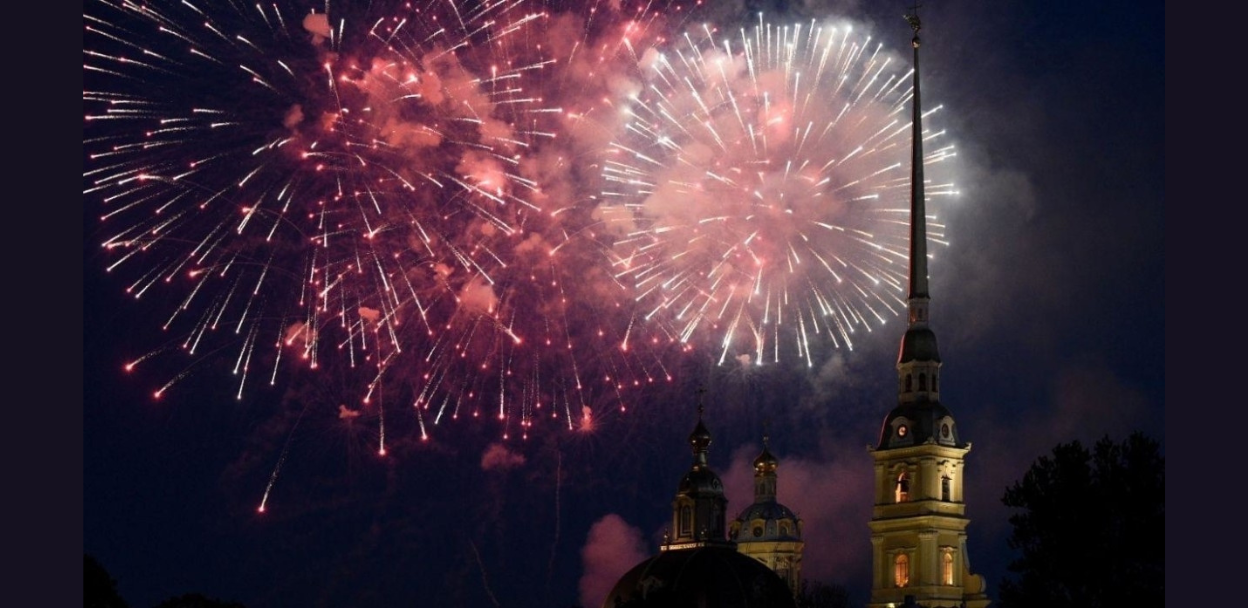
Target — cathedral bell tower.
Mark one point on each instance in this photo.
(918, 522)
(699, 507)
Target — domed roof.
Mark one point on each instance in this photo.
(703, 576)
(701, 481)
(918, 344)
(700, 438)
(765, 461)
(918, 423)
(768, 512)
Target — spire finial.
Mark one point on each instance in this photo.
(701, 407)
(766, 424)
(918, 296)
(912, 18)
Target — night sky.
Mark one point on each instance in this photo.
(1048, 303)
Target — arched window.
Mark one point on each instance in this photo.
(686, 521)
(902, 491)
(909, 383)
(947, 568)
(901, 570)
(946, 488)
(922, 382)
(934, 389)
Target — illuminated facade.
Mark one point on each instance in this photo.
(918, 522)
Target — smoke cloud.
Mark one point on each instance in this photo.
(498, 457)
(613, 547)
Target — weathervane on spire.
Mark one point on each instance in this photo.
(912, 18)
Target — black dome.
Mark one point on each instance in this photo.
(918, 344)
(703, 576)
(918, 423)
(767, 510)
(701, 482)
(773, 513)
(700, 438)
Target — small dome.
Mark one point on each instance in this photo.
(703, 576)
(700, 438)
(765, 463)
(918, 344)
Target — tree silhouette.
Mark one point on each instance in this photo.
(99, 590)
(1090, 530)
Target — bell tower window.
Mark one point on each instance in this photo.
(902, 491)
(901, 570)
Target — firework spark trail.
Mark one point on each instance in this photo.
(382, 187)
(758, 191)
(491, 212)
(281, 460)
(554, 543)
(485, 581)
